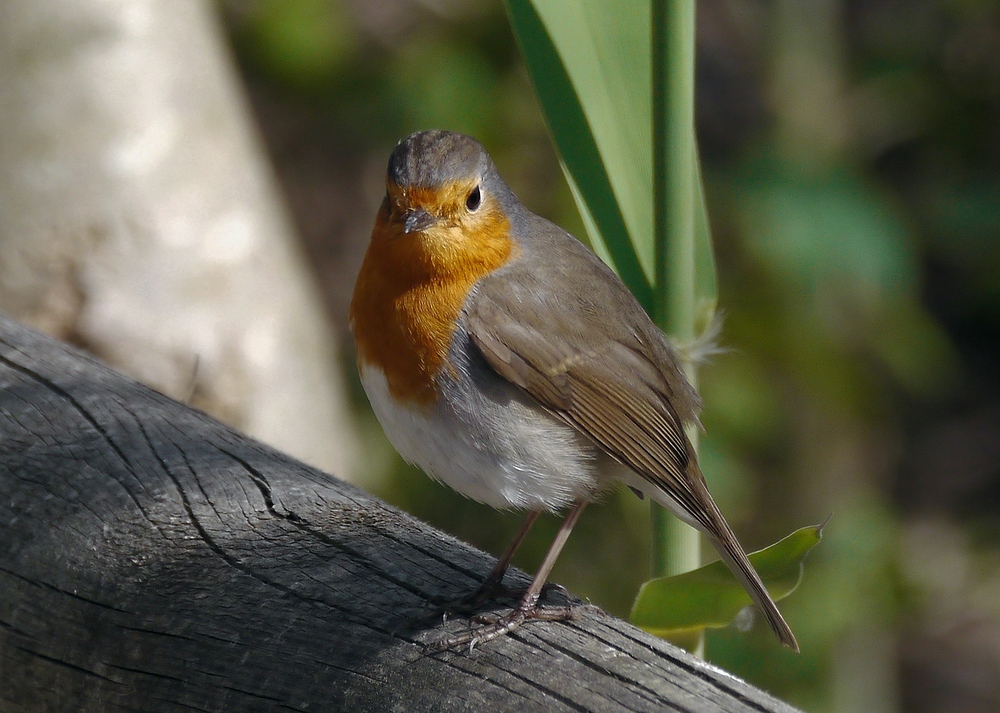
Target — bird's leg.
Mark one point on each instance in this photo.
(493, 582)
(492, 586)
(528, 607)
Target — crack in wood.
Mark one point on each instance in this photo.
(187, 616)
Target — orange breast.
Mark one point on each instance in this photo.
(411, 289)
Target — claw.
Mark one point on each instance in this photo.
(502, 626)
(550, 586)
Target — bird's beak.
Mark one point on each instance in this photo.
(418, 219)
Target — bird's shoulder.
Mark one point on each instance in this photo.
(558, 311)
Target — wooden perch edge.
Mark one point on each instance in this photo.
(152, 559)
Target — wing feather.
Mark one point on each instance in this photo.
(612, 391)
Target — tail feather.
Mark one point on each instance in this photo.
(734, 557)
(707, 517)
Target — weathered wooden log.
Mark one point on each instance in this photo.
(152, 559)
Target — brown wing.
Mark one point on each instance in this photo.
(604, 382)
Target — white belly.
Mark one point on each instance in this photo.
(492, 445)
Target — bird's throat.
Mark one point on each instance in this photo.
(409, 295)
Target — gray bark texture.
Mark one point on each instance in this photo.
(153, 559)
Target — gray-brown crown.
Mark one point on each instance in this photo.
(433, 158)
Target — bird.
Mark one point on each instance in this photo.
(505, 359)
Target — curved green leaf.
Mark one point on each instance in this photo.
(591, 74)
(711, 597)
(591, 64)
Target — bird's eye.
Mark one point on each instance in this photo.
(474, 200)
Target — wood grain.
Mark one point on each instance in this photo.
(152, 559)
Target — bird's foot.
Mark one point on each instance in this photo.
(489, 591)
(492, 627)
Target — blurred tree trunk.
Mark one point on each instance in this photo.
(139, 218)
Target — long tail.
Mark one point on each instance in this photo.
(699, 510)
(735, 558)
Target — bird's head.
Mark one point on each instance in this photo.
(446, 206)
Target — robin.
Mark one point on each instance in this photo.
(504, 358)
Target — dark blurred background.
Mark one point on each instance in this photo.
(852, 158)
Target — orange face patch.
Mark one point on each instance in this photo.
(412, 285)
(447, 202)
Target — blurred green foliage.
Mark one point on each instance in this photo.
(300, 42)
(852, 165)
